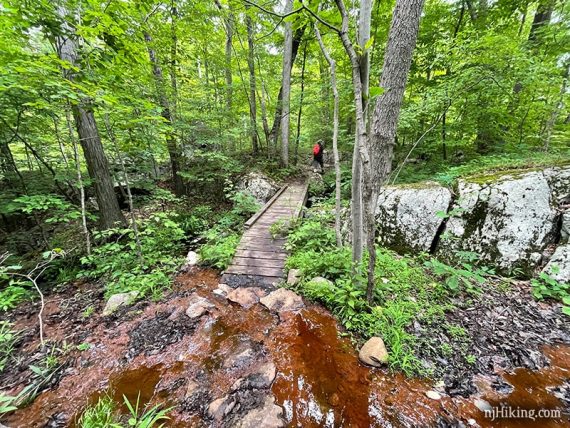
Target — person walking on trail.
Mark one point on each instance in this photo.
(318, 155)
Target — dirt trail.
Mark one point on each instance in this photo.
(228, 355)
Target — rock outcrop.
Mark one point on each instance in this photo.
(259, 186)
(508, 219)
(407, 216)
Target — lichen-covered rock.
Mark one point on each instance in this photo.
(407, 216)
(559, 265)
(507, 220)
(258, 185)
(117, 300)
(565, 228)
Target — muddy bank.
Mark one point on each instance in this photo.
(234, 366)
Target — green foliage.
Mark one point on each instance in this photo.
(219, 250)
(8, 338)
(546, 286)
(147, 418)
(53, 207)
(403, 292)
(466, 273)
(6, 404)
(100, 415)
(117, 262)
(11, 296)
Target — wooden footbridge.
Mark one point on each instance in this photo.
(260, 258)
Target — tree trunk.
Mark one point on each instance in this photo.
(252, 84)
(171, 145)
(174, 58)
(364, 23)
(97, 165)
(332, 65)
(298, 36)
(229, 27)
(397, 60)
(298, 138)
(286, 85)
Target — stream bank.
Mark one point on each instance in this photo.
(240, 364)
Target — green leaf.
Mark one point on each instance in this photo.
(376, 91)
(369, 43)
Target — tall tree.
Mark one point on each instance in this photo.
(286, 84)
(173, 150)
(84, 117)
(397, 60)
(252, 84)
(542, 18)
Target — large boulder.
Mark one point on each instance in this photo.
(407, 216)
(508, 220)
(259, 186)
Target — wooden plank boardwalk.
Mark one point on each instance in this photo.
(260, 259)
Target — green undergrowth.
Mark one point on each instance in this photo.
(124, 266)
(406, 290)
(490, 165)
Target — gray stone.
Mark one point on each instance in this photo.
(407, 216)
(219, 408)
(269, 415)
(223, 290)
(282, 300)
(244, 296)
(293, 276)
(239, 359)
(192, 258)
(117, 300)
(434, 395)
(320, 281)
(262, 378)
(504, 220)
(198, 306)
(559, 265)
(373, 352)
(258, 185)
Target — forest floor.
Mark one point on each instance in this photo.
(231, 365)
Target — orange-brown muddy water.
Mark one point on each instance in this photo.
(319, 381)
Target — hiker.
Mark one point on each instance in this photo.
(318, 155)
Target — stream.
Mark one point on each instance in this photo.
(246, 366)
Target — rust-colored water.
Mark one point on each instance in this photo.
(319, 381)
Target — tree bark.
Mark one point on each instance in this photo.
(397, 60)
(97, 165)
(298, 137)
(364, 23)
(252, 84)
(174, 58)
(297, 38)
(332, 65)
(171, 145)
(286, 85)
(229, 27)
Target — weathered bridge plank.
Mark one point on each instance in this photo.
(260, 259)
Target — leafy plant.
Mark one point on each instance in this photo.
(8, 338)
(219, 249)
(148, 418)
(545, 286)
(466, 273)
(101, 415)
(7, 404)
(117, 262)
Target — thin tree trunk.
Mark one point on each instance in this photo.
(358, 235)
(229, 27)
(298, 36)
(298, 137)
(332, 65)
(79, 184)
(555, 111)
(266, 130)
(174, 58)
(286, 85)
(252, 83)
(109, 212)
(171, 145)
(111, 135)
